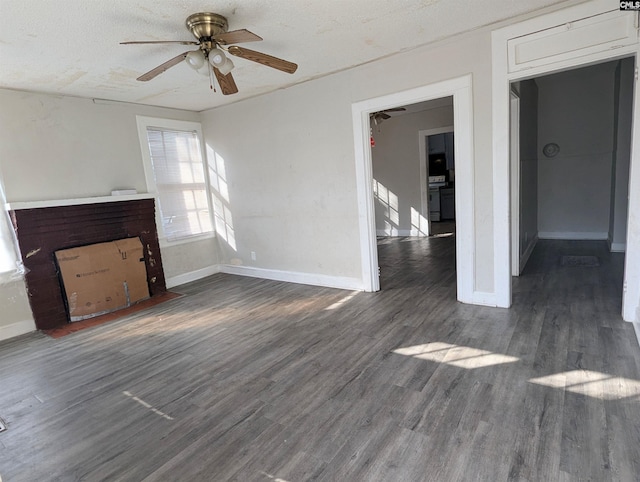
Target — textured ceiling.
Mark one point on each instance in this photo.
(71, 47)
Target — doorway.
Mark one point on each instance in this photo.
(570, 170)
(460, 90)
(407, 192)
(437, 155)
(584, 34)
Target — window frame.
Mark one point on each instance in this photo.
(144, 122)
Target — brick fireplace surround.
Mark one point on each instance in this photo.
(43, 230)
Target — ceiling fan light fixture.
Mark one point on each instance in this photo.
(195, 59)
(217, 57)
(214, 41)
(226, 67)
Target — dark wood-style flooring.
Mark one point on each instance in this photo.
(252, 380)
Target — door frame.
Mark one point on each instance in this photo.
(501, 80)
(514, 157)
(461, 90)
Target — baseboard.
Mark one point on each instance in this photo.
(636, 327)
(393, 232)
(192, 276)
(483, 298)
(17, 329)
(617, 247)
(339, 282)
(527, 253)
(590, 236)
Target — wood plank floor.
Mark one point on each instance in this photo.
(251, 380)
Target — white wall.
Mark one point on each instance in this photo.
(528, 92)
(290, 160)
(576, 112)
(621, 155)
(396, 166)
(55, 147)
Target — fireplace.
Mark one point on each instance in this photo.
(46, 228)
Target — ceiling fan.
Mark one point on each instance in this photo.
(213, 41)
(378, 117)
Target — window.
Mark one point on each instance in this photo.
(10, 260)
(174, 167)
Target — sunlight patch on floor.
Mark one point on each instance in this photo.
(592, 384)
(341, 302)
(456, 355)
(273, 477)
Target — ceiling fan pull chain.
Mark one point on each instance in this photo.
(211, 82)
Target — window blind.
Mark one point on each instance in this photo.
(180, 183)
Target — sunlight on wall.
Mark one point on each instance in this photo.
(389, 203)
(455, 355)
(592, 384)
(220, 197)
(419, 225)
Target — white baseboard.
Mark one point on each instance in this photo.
(393, 232)
(16, 329)
(527, 253)
(591, 236)
(192, 276)
(483, 298)
(339, 282)
(636, 327)
(636, 324)
(617, 247)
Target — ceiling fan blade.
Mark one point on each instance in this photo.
(264, 59)
(236, 37)
(395, 109)
(181, 42)
(163, 67)
(227, 83)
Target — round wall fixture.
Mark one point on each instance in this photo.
(551, 149)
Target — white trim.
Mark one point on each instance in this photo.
(595, 236)
(15, 206)
(636, 324)
(461, 90)
(514, 154)
(484, 299)
(165, 243)
(631, 293)
(185, 278)
(500, 95)
(339, 282)
(617, 247)
(366, 209)
(527, 253)
(143, 122)
(636, 328)
(16, 329)
(393, 232)
(501, 79)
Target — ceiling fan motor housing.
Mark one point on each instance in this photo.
(205, 25)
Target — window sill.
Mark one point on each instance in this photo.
(165, 243)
